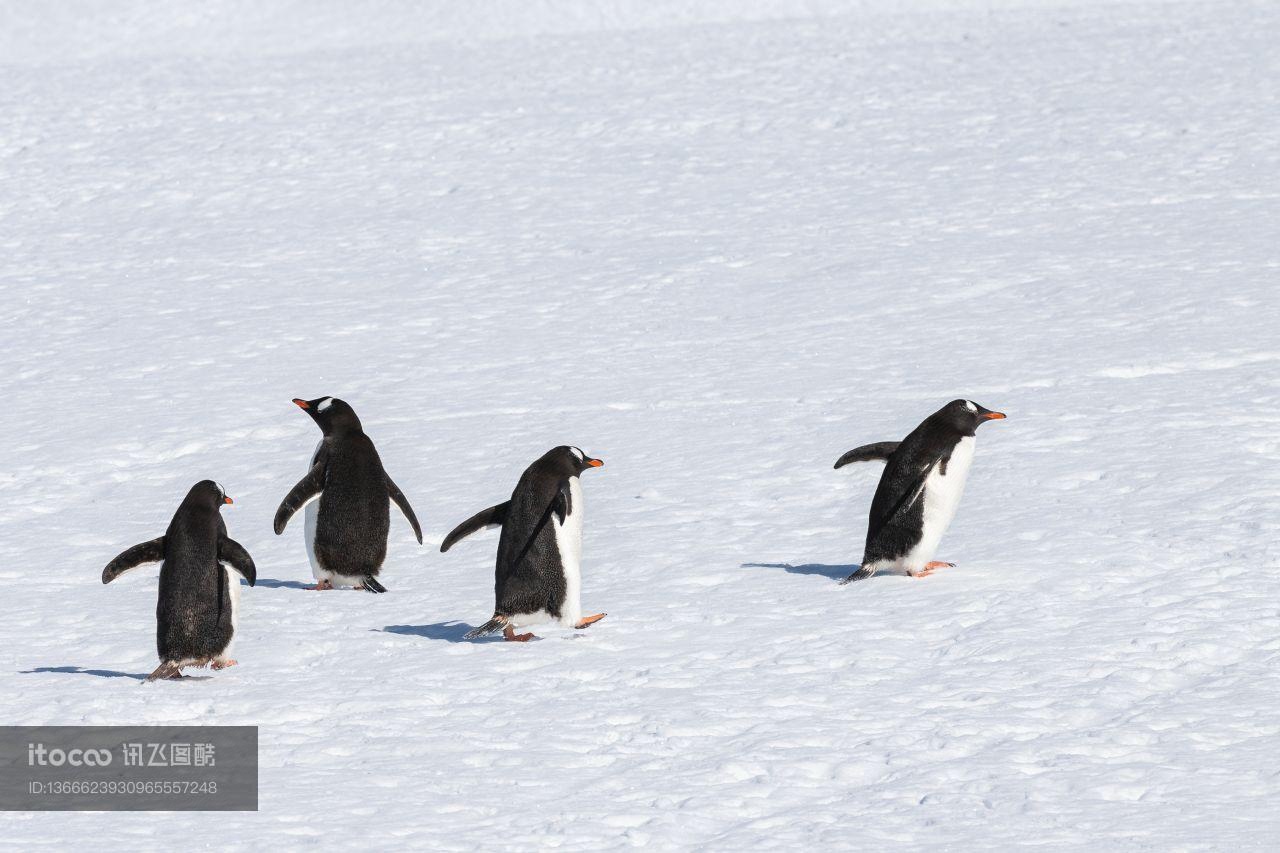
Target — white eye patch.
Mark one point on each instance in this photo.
(221, 490)
(324, 404)
(968, 404)
(578, 453)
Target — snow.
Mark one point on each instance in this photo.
(717, 249)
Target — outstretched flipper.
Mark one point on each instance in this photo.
(497, 623)
(880, 451)
(494, 516)
(403, 503)
(308, 487)
(145, 552)
(233, 554)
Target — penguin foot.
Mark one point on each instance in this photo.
(167, 671)
(223, 663)
(932, 567)
(587, 621)
(324, 584)
(509, 634)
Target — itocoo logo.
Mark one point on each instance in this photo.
(39, 755)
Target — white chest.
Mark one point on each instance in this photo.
(233, 591)
(311, 516)
(941, 498)
(569, 544)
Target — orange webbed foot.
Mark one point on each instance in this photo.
(931, 567)
(587, 621)
(509, 634)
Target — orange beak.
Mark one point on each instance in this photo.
(994, 416)
(301, 404)
(596, 463)
(226, 499)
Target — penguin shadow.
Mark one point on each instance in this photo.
(76, 670)
(838, 573)
(449, 632)
(272, 583)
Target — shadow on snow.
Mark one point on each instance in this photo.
(272, 583)
(76, 670)
(838, 573)
(450, 632)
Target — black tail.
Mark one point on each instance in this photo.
(371, 583)
(860, 575)
(166, 670)
(497, 623)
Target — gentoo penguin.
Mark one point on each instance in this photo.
(919, 490)
(199, 582)
(346, 534)
(538, 578)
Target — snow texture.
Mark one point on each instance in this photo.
(716, 245)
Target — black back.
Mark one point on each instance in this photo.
(193, 614)
(530, 575)
(896, 521)
(354, 513)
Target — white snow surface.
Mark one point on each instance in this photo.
(716, 246)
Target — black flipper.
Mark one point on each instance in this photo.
(497, 623)
(131, 558)
(563, 504)
(307, 488)
(371, 584)
(880, 451)
(403, 502)
(494, 516)
(908, 499)
(233, 554)
(559, 506)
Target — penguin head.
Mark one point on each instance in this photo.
(965, 416)
(330, 414)
(209, 495)
(571, 460)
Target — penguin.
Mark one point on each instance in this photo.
(537, 577)
(919, 490)
(200, 571)
(347, 494)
